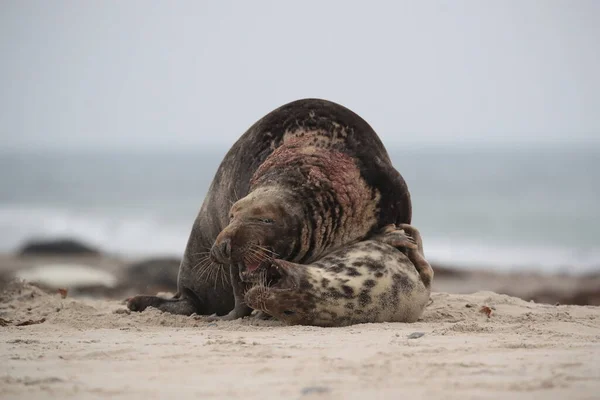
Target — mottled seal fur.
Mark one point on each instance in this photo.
(369, 281)
(309, 177)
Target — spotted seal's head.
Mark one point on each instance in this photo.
(282, 290)
(262, 226)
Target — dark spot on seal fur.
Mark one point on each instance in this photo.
(352, 272)
(348, 291)
(305, 284)
(405, 282)
(334, 294)
(364, 298)
(378, 274)
(324, 282)
(369, 283)
(371, 264)
(337, 268)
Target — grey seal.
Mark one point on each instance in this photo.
(383, 279)
(308, 178)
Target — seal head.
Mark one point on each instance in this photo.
(261, 226)
(283, 291)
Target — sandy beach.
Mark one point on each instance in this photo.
(141, 138)
(89, 348)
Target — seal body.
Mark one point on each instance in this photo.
(308, 178)
(384, 279)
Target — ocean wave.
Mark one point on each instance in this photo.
(476, 255)
(145, 234)
(137, 235)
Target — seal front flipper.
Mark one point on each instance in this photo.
(396, 237)
(240, 310)
(417, 256)
(176, 305)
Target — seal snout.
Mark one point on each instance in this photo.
(221, 251)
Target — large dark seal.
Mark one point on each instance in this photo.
(308, 178)
(369, 281)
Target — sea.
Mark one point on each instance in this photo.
(508, 208)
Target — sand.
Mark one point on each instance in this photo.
(88, 349)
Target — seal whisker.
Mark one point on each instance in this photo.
(201, 268)
(255, 257)
(263, 250)
(224, 277)
(263, 278)
(256, 252)
(201, 262)
(216, 277)
(206, 270)
(273, 253)
(248, 259)
(201, 253)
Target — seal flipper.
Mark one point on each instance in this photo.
(397, 238)
(417, 256)
(175, 305)
(241, 309)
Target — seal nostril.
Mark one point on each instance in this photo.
(225, 248)
(221, 251)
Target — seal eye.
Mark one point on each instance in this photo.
(267, 220)
(289, 312)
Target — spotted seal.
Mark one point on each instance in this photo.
(309, 177)
(383, 279)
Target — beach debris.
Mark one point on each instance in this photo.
(31, 322)
(5, 322)
(469, 305)
(416, 335)
(122, 311)
(314, 390)
(486, 310)
(63, 293)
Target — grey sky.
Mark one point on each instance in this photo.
(174, 74)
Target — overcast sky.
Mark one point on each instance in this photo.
(175, 74)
